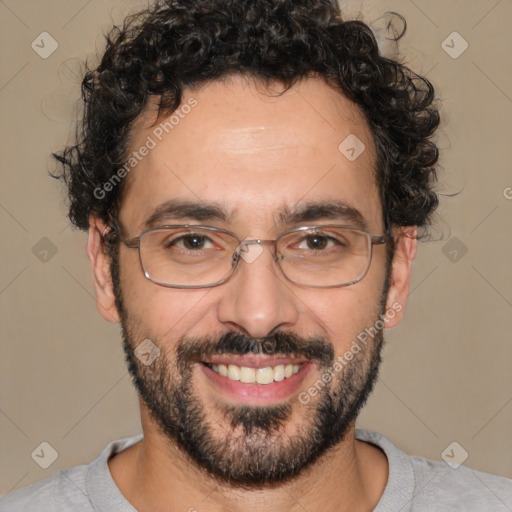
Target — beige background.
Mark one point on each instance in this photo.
(446, 375)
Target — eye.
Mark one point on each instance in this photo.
(190, 242)
(318, 241)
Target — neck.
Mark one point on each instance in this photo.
(155, 473)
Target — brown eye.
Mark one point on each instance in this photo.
(191, 241)
(317, 242)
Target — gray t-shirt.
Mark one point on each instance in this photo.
(414, 484)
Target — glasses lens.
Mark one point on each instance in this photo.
(325, 256)
(199, 257)
(187, 256)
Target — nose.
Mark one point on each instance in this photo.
(257, 298)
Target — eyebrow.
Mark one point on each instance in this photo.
(182, 209)
(313, 211)
(211, 211)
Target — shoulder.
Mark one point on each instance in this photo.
(416, 483)
(78, 488)
(64, 489)
(440, 483)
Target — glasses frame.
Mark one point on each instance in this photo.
(135, 243)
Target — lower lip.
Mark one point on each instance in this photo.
(257, 393)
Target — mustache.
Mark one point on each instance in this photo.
(194, 350)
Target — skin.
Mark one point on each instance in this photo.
(252, 153)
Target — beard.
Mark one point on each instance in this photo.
(249, 447)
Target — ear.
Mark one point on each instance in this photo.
(100, 262)
(405, 251)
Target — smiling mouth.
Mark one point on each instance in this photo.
(259, 375)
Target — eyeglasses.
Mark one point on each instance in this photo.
(193, 256)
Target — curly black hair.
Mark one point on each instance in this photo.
(175, 44)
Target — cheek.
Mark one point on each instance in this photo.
(154, 309)
(346, 312)
(166, 313)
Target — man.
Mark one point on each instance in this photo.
(253, 177)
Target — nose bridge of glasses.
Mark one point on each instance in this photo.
(258, 241)
(242, 248)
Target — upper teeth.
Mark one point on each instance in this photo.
(260, 375)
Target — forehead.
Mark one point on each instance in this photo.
(254, 154)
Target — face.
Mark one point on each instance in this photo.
(253, 157)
